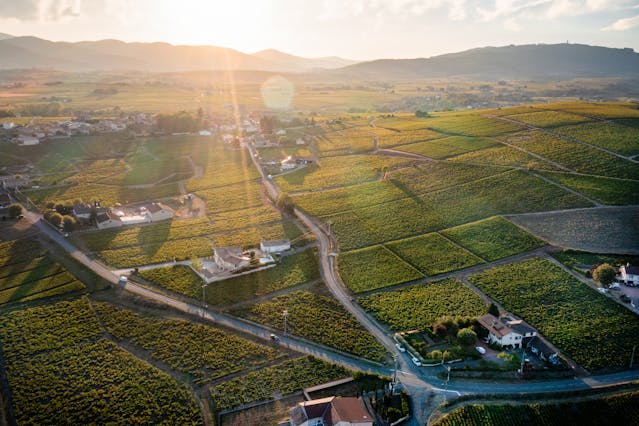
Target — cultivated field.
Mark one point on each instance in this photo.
(599, 230)
(319, 318)
(614, 409)
(61, 370)
(28, 273)
(419, 306)
(592, 329)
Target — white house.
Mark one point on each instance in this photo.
(108, 220)
(629, 275)
(157, 212)
(275, 246)
(300, 141)
(7, 125)
(230, 258)
(280, 132)
(331, 411)
(204, 133)
(506, 331)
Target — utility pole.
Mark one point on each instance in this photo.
(285, 313)
(395, 371)
(447, 380)
(632, 357)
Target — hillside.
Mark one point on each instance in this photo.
(103, 55)
(535, 62)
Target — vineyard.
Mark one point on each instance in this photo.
(179, 278)
(62, 372)
(617, 138)
(603, 189)
(570, 314)
(620, 409)
(418, 307)
(549, 118)
(439, 210)
(493, 238)
(575, 156)
(157, 252)
(204, 352)
(504, 156)
(27, 273)
(292, 270)
(282, 379)
(447, 147)
(318, 318)
(374, 267)
(433, 254)
(337, 171)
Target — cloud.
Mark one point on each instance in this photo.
(549, 9)
(623, 24)
(39, 10)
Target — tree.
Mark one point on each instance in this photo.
(604, 274)
(55, 219)
(466, 337)
(15, 210)
(69, 223)
(440, 330)
(285, 202)
(493, 309)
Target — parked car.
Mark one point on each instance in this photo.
(480, 350)
(416, 361)
(400, 347)
(275, 338)
(602, 290)
(123, 280)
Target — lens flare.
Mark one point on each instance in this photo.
(277, 92)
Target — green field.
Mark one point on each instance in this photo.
(419, 306)
(433, 254)
(620, 409)
(318, 318)
(567, 312)
(337, 171)
(493, 238)
(61, 371)
(549, 118)
(203, 352)
(281, 379)
(575, 156)
(374, 267)
(621, 139)
(27, 273)
(606, 190)
(443, 209)
(447, 147)
(179, 278)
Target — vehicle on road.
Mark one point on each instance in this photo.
(275, 337)
(400, 347)
(480, 350)
(416, 361)
(123, 280)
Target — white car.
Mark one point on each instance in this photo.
(416, 361)
(480, 350)
(400, 347)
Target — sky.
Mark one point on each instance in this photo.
(355, 29)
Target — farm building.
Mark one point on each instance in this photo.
(83, 211)
(108, 220)
(288, 163)
(506, 331)
(27, 140)
(156, 211)
(230, 258)
(629, 274)
(275, 246)
(334, 410)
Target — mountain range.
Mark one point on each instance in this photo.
(525, 62)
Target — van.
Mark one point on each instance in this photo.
(416, 361)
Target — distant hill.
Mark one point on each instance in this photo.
(4, 36)
(534, 62)
(106, 55)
